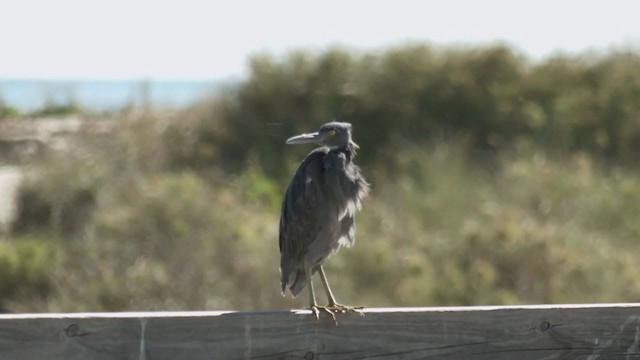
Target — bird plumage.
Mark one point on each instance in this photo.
(319, 207)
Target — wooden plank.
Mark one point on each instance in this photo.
(604, 331)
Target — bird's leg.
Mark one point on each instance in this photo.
(325, 284)
(333, 305)
(313, 305)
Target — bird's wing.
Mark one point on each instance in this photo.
(298, 221)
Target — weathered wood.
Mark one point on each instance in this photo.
(607, 331)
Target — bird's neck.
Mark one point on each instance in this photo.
(348, 150)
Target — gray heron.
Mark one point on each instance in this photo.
(318, 212)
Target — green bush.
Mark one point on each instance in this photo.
(175, 241)
(56, 108)
(492, 97)
(538, 231)
(7, 111)
(60, 195)
(495, 181)
(26, 267)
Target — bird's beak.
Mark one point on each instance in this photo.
(304, 139)
(354, 145)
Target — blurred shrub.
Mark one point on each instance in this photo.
(175, 241)
(38, 210)
(449, 231)
(491, 97)
(588, 104)
(54, 107)
(7, 111)
(60, 195)
(495, 181)
(540, 231)
(25, 273)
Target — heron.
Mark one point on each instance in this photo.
(318, 212)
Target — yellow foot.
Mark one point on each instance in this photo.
(339, 308)
(334, 309)
(315, 310)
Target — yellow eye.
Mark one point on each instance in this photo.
(332, 133)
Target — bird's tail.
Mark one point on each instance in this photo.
(299, 283)
(296, 281)
(284, 277)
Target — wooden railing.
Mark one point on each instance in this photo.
(601, 331)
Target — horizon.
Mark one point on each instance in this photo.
(105, 94)
(108, 94)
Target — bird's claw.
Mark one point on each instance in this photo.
(334, 309)
(339, 308)
(315, 310)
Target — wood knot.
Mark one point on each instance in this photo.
(72, 330)
(544, 326)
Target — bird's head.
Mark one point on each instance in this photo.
(333, 135)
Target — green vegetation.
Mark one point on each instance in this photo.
(51, 107)
(55, 108)
(7, 111)
(495, 181)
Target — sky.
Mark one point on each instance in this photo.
(189, 39)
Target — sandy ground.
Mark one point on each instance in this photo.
(10, 177)
(52, 133)
(18, 133)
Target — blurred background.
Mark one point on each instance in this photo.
(142, 155)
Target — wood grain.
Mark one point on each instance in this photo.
(603, 331)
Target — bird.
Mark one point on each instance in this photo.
(318, 212)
